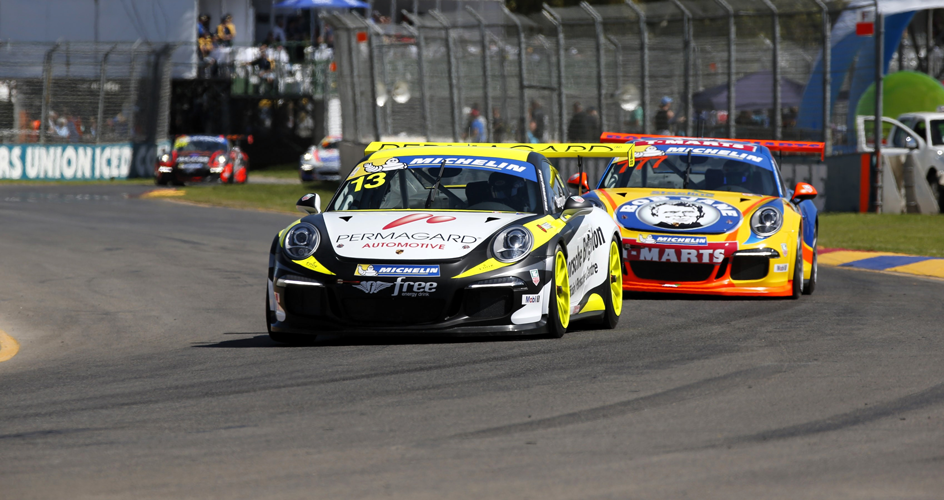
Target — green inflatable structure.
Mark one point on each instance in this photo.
(903, 92)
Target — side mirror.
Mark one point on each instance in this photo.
(577, 203)
(803, 191)
(911, 143)
(309, 204)
(579, 181)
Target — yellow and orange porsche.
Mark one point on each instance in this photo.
(711, 216)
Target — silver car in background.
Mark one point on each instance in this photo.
(321, 162)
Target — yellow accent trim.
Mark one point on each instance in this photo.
(163, 193)
(594, 303)
(282, 232)
(933, 268)
(8, 346)
(561, 150)
(314, 265)
(488, 265)
(540, 237)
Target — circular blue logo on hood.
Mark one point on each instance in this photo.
(678, 214)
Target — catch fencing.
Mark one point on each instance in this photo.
(84, 93)
(420, 79)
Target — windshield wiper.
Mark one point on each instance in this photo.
(434, 191)
(688, 170)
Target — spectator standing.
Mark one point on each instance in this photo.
(664, 117)
(530, 136)
(203, 25)
(499, 127)
(278, 32)
(593, 125)
(577, 129)
(226, 31)
(539, 117)
(477, 130)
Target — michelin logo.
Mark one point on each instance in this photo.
(672, 240)
(389, 270)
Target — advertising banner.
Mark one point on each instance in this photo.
(66, 162)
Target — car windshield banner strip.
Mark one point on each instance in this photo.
(517, 168)
(798, 147)
(563, 150)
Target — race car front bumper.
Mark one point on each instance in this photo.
(511, 301)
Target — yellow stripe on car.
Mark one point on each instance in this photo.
(282, 232)
(314, 265)
(542, 230)
(594, 303)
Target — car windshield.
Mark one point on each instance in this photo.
(491, 184)
(707, 173)
(200, 145)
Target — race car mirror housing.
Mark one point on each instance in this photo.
(309, 204)
(803, 191)
(577, 203)
(578, 181)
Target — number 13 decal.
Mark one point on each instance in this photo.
(373, 181)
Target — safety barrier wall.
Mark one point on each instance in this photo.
(77, 162)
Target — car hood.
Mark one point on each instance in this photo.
(681, 211)
(411, 235)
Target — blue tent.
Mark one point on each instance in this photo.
(323, 4)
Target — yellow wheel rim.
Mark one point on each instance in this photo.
(562, 282)
(616, 278)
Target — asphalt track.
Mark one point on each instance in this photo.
(144, 372)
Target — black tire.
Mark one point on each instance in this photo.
(610, 314)
(809, 286)
(556, 328)
(160, 180)
(798, 268)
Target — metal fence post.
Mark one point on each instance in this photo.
(453, 77)
(644, 62)
(351, 40)
(619, 79)
(687, 32)
(486, 71)
(879, 75)
(523, 126)
(101, 91)
(827, 79)
(598, 31)
(133, 92)
(732, 35)
(372, 33)
(503, 73)
(561, 97)
(778, 117)
(420, 62)
(47, 90)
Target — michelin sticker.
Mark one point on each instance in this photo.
(649, 152)
(679, 213)
(392, 270)
(387, 166)
(671, 240)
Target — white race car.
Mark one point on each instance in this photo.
(451, 239)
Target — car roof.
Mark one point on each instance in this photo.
(509, 153)
(922, 114)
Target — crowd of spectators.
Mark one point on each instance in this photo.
(71, 127)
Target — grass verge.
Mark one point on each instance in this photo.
(909, 234)
(283, 171)
(278, 197)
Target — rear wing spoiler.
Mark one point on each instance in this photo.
(247, 138)
(799, 147)
(615, 149)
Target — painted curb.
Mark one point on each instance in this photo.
(8, 346)
(883, 261)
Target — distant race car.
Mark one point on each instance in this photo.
(321, 162)
(711, 216)
(448, 238)
(203, 158)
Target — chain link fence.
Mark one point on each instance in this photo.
(83, 92)
(717, 68)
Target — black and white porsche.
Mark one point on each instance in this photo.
(451, 239)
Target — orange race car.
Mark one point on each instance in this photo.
(711, 216)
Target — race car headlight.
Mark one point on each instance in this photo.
(307, 167)
(221, 160)
(512, 244)
(307, 156)
(301, 241)
(766, 221)
(165, 158)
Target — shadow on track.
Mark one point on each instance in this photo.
(262, 340)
